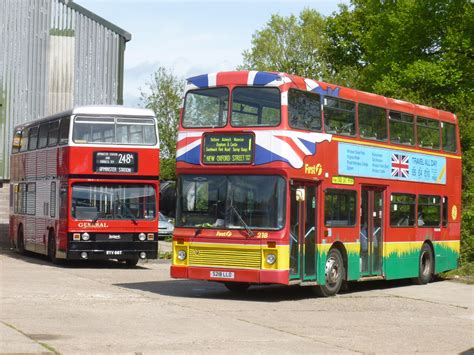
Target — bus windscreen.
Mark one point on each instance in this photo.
(233, 202)
(113, 201)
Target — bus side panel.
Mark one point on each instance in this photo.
(446, 255)
(401, 259)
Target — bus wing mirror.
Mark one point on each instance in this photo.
(300, 195)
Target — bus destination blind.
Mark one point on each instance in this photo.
(228, 149)
(115, 162)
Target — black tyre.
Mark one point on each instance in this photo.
(52, 248)
(335, 273)
(237, 287)
(131, 262)
(20, 241)
(426, 266)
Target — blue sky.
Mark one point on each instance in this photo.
(190, 37)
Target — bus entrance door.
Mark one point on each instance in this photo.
(303, 231)
(371, 231)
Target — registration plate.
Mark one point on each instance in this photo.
(113, 252)
(222, 274)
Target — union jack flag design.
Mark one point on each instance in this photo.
(400, 166)
(270, 146)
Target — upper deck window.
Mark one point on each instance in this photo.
(402, 129)
(33, 138)
(449, 137)
(339, 116)
(304, 110)
(427, 132)
(255, 107)
(16, 144)
(64, 131)
(103, 130)
(206, 108)
(372, 122)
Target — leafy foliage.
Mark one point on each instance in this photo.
(163, 96)
(291, 45)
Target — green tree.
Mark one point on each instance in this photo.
(419, 51)
(293, 45)
(163, 95)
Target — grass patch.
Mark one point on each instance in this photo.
(165, 255)
(465, 273)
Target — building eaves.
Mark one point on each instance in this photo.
(121, 32)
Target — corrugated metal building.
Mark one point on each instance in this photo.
(54, 54)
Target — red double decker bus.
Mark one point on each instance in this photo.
(288, 180)
(84, 185)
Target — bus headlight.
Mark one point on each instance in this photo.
(142, 236)
(271, 258)
(86, 236)
(181, 255)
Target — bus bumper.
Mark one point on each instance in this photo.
(239, 275)
(104, 251)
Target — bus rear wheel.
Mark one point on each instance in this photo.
(237, 287)
(52, 248)
(334, 274)
(425, 273)
(20, 240)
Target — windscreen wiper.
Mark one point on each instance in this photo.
(128, 212)
(247, 228)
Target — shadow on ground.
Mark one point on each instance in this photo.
(257, 293)
(39, 259)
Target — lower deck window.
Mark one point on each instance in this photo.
(340, 208)
(429, 211)
(402, 210)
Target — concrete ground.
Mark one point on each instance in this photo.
(103, 307)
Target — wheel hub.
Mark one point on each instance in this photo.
(332, 271)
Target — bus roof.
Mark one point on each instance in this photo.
(95, 110)
(261, 78)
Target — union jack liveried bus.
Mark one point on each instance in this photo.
(288, 180)
(84, 185)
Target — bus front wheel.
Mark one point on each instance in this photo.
(334, 274)
(131, 262)
(425, 273)
(20, 240)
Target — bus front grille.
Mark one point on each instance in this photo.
(225, 257)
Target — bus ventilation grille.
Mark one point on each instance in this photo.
(229, 257)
